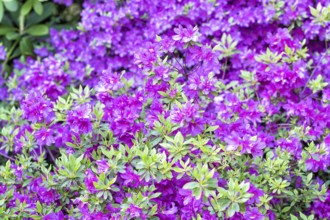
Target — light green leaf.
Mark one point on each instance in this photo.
(212, 128)
(191, 185)
(286, 209)
(232, 209)
(179, 138)
(26, 8)
(37, 7)
(293, 217)
(309, 177)
(223, 204)
(1, 11)
(11, 5)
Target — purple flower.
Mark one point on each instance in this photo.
(185, 35)
(90, 178)
(233, 141)
(42, 51)
(44, 137)
(102, 165)
(254, 214)
(131, 179)
(146, 57)
(64, 2)
(79, 119)
(322, 208)
(135, 212)
(109, 82)
(249, 144)
(3, 53)
(37, 109)
(256, 194)
(172, 210)
(184, 115)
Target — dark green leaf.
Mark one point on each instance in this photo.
(38, 30)
(25, 46)
(33, 18)
(16, 53)
(6, 29)
(12, 36)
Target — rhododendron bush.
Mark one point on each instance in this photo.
(171, 109)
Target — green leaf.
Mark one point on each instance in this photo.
(158, 38)
(309, 177)
(39, 207)
(153, 210)
(197, 192)
(286, 209)
(112, 181)
(191, 185)
(1, 11)
(33, 18)
(303, 216)
(232, 209)
(11, 5)
(25, 46)
(179, 138)
(26, 8)
(38, 30)
(223, 204)
(212, 128)
(293, 217)
(37, 7)
(6, 29)
(311, 217)
(12, 36)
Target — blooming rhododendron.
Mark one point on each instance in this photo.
(169, 110)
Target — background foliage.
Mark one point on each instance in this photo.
(25, 25)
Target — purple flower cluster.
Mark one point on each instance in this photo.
(172, 109)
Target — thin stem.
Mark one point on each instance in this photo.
(317, 65)
(284, 124)
(50, 154)
(308, 95)
(255, 88)
(183, 69)
(13, 47)
(225, 68)
(213, 208)
(21, 24)
(8, 157)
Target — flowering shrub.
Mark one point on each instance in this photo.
(172, 110)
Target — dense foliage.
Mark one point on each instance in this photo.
(23, 25)
(171, 109)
